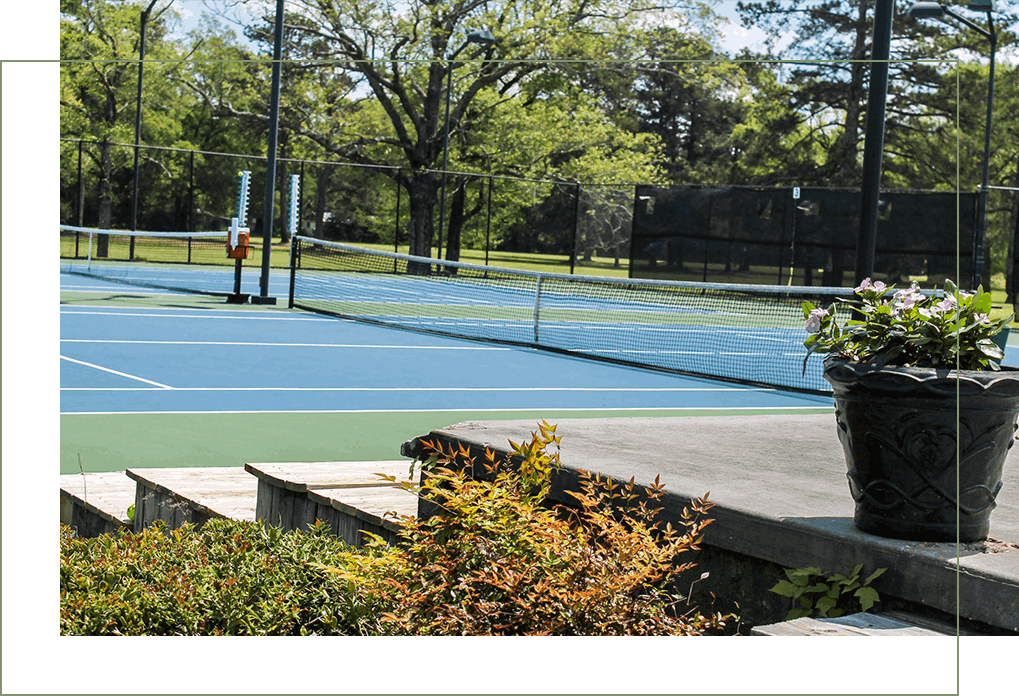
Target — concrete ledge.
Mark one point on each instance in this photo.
(782, 500)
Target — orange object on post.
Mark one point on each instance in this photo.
(241, 250)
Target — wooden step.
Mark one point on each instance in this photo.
(859, 624)
(285, 493)
(302, 477)
(96, 503)
(352, 511)
(350, 496)
(193, 495)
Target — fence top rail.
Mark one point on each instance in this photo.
(360, 165)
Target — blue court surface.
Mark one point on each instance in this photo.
(118, 359)
(152, 378)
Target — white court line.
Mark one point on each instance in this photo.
(422, 389)
(115, 372)
(287, 345)
(254, 316)
(551, 414)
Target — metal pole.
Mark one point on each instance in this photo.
(270, 168)
(874, 144)
(576, 225)
(484, 38)
(982, 219)
(138, 123)
(445, 150)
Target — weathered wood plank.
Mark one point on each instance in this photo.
(96, 503)
(301, 477)
(859, 624)
(197, 494)
(366, 509)
(283, 488)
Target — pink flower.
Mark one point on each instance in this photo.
(877, 286)
(814, 320)
(946, 305)
(907, 297)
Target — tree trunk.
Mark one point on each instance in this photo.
(422, 190)
(456, 221)
(105, 199)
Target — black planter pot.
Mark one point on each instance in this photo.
(907, 457)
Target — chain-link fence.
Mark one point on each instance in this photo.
(760, 235)
(801, 235)
(552, 225)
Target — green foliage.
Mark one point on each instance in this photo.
(910, 329)
(494, 559)
(813, 594)
(229, 578)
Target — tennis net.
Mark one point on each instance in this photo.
(185, 261)
(742, 333)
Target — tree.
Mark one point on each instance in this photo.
(99, 49)
(398, 55)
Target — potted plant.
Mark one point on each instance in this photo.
(925, 412)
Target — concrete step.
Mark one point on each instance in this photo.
(350, 496)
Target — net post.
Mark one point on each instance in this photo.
(537, 306)
(294, 251)
(292, 213)
(90, 251)
(236, 227)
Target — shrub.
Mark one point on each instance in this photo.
(494, 559)
(835, 594)
(229, 578)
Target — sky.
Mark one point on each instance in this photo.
(736, 37)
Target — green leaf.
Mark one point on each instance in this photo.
(982, 303)
(801, 576)
(824, 605)
(796, 613)
(990, 349)
(873, 576)
(787, 589)
(868, 597)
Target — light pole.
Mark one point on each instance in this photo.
(138, 121)
(484, 39)
(922, 10)
(270, 164)
(873, 146)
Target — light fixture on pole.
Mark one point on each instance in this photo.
(924, 10)
(484, 39)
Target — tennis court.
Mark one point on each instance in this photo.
(157, 378)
